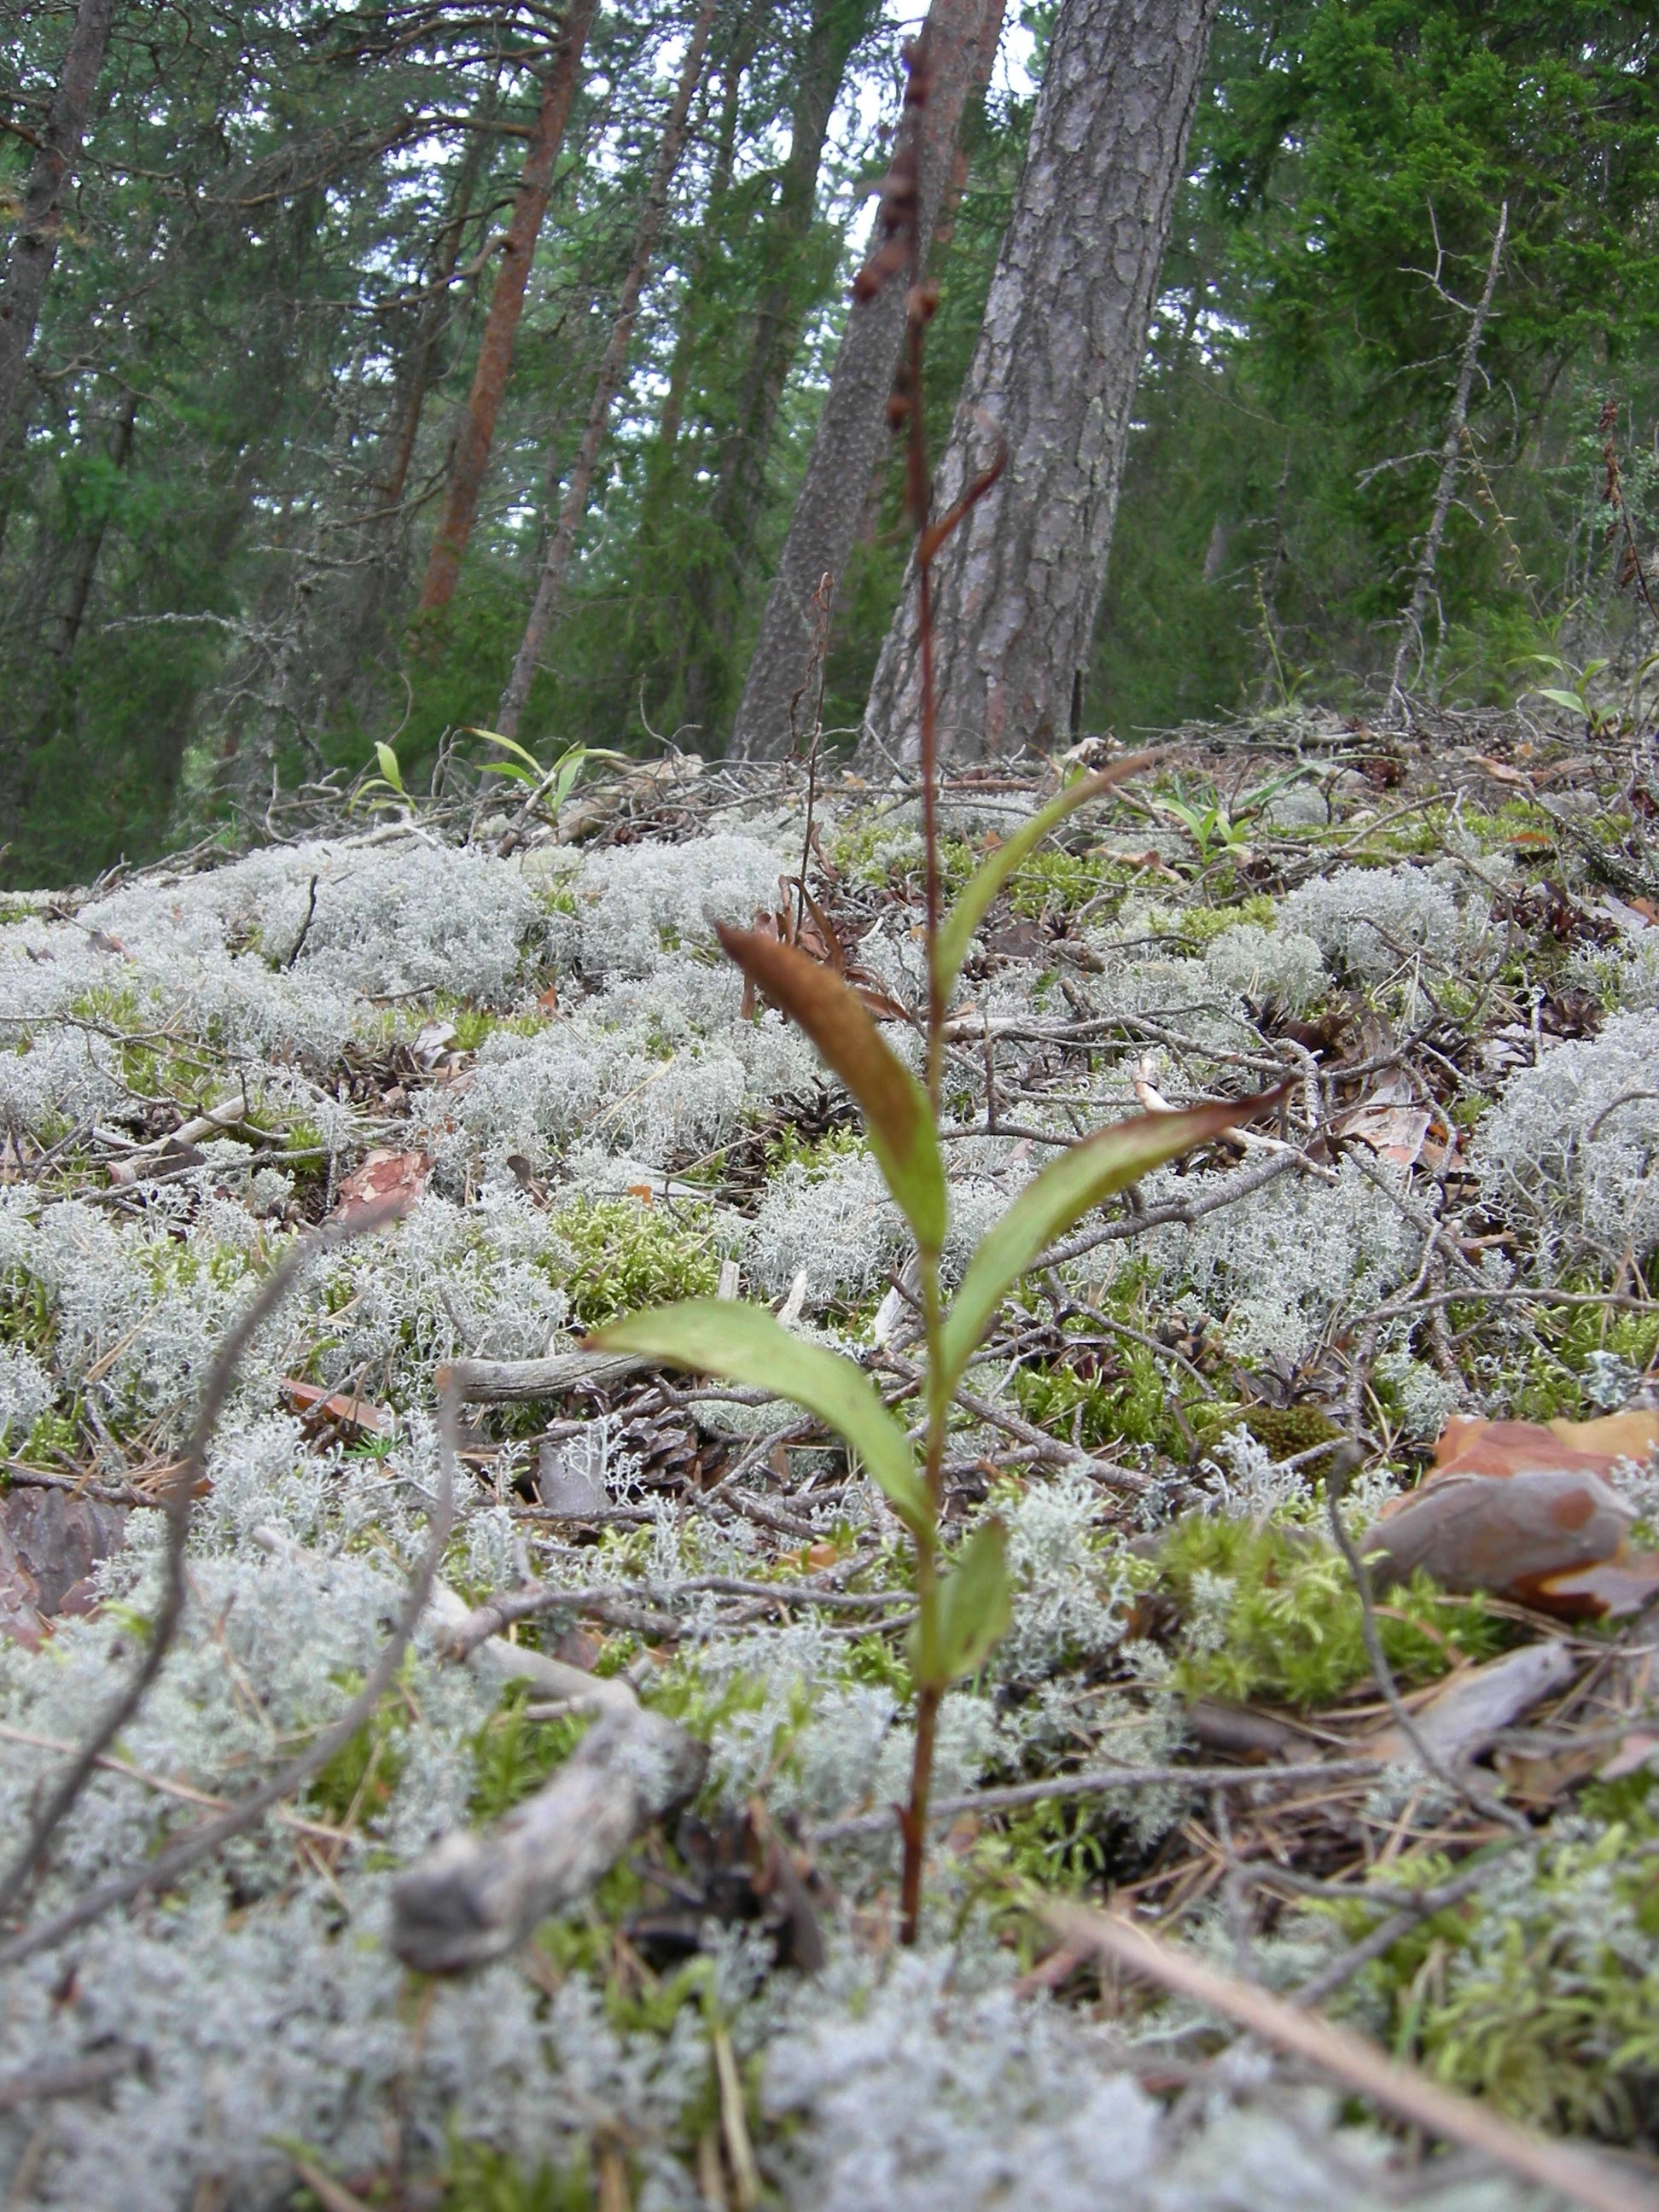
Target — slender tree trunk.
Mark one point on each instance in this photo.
(35, 242)
(434, 312)
(561, 544)
(738, 495)
(1016, 588)
(506, 307)
(1451, 463)
(960, 38)
(90, 540)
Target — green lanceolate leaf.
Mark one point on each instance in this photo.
(509, 744)
(974, 1611)
(957, 931)
(893, 1104)
(1063, 1194)
(747, 1343)
(390, 770)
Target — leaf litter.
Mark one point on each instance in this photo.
(1438, 1247)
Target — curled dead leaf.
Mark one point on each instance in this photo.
(392, 1179)
(1526, 1511)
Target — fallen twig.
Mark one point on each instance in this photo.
(36, 2085)
(1401, 2090)
(1099, 1780)
(474, 1898)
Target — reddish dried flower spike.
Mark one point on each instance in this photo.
(901, 189)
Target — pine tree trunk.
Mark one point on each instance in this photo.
(506, 307)
(1016, 590)
(962, 37)
(738, 495)
(34, 242)
(561, 544)
(433, 314)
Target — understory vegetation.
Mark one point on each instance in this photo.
(1446, 941)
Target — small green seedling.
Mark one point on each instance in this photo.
(389, 780)
(960, 1615)
(548, 787)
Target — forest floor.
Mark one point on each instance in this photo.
(524, 1032)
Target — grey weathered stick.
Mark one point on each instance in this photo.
(73, 2079)
(474, 1898)
(506, 1381)
(1473, 1707)
(1359, 2065)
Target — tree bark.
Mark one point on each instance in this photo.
(34, 243)
(1451, 463)
(506, 307)
(1016, 590)
(962, 37)
(561, 544)
(433, 314)
(739, 490)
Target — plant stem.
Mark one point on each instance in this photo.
(915, 1817)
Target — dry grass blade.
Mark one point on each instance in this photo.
(1358, 2065)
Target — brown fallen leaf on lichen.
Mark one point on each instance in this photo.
(384, 1178)
(1469, 1445)
(1526, 1511)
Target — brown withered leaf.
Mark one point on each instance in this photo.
(50, 1542)
(1606, 1591)
(1390, 1119)
(1469, 1445)
(384, 1178)
(315, 1404)
(1525, 1509)
(1505, 1534)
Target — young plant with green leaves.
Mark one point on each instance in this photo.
(963, 1605)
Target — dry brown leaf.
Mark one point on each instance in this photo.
(1469, 1445)
(1390, 1119)
(1540, 1778)
(50, 1542)
(314, 1403)
(1513, 1534)
(1525, 1509)
(1607, 1591)
(384, 1178)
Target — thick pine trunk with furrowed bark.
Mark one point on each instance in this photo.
(35, 242)
(506, 307)
(1016, 588)
(962, 37)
